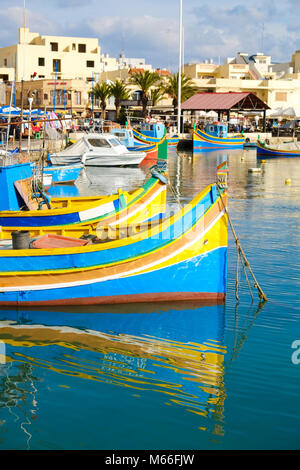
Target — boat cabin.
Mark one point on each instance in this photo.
(153, 129)
(125, 136)
(217, 129)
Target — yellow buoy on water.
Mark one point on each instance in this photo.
(288, 181)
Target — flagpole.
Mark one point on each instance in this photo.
(23, 77)
(179, 69)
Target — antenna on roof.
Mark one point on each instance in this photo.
(24, 14)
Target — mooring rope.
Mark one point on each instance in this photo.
(242, 255)
(237, 275)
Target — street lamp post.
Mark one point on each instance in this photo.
(30, 100)
(179, 71)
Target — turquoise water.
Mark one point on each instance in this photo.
(168, 376)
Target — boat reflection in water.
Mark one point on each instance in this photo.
(95, 181)
(176, 351)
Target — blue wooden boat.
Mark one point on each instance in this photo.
(183, 257)
(154, 150)
(21, 207)
(154, 132)
(173, 141)
(66, 174)
(268, 152)
(126, 137)
(249, 144)
(216, 136)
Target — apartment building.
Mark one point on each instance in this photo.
(255, 74)
(40, 57)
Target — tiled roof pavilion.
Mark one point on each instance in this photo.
(224, 102)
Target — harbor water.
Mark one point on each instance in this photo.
(173, 375)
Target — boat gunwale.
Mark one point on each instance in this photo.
(98, 201)
(168, 222)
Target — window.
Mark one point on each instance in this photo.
(77, 97)
(99, 143)
(56, 65)
(81, 48)
(73, 47)
(41, 61)
(137, 95)
(60, 97)
(41, 76)
(54, 46)
(5, 62)
(90, 63)
(120, 135)
(280, 96)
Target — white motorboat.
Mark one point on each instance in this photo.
(97, 150)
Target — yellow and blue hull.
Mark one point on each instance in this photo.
(203, 142)
(173, 141)
(89, 210)
(269, 152)
(181, 258)
(145, 139)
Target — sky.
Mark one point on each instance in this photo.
(150, 28)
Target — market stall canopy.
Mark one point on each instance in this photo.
(224, 102)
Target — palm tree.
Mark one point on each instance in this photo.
(188, 88)
(145, 80)
(120, 92)
(156, 94)
(102, 92)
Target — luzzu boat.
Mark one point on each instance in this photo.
(153, 132)
(173, 141)
(268, 152)
(126, 137)
(183, 257)
(19, 207)
(216, 136)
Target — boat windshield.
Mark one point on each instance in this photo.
(99, 143)
(120, 134)
(115, 142)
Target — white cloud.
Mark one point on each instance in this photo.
(214, 29)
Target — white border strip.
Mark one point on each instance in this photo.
(139, 207)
